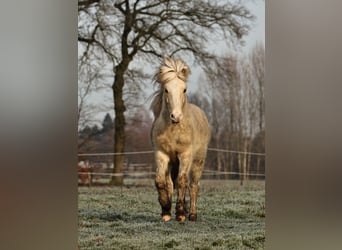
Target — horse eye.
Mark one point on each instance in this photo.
(166, 91)
(184, 90)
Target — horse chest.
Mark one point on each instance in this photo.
(174, 138)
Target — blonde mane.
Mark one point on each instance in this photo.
(169, 70)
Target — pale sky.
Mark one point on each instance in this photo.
(257, 34)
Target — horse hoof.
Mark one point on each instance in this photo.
(181, 218)
(192, 217)
(166, 217)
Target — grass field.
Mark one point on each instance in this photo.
(229, 217)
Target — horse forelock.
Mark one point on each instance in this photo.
(171, 69)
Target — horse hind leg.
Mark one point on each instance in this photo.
(195, 176)
(174, 169)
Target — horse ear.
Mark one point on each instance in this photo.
(185, 72)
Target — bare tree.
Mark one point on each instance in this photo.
(127, 31)
(258, 66)
(90, 81)
(237, 111)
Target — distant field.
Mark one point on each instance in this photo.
(229, 217)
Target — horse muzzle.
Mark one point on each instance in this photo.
(176, 116)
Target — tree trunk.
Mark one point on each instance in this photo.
(231, 156)
(249, 163)
(216, 138)
(261, 109)
(119, 127)
(258, 165)
(245, 160)
(241, 169)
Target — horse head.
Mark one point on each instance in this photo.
(173, 75)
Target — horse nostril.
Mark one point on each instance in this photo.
(176, 117)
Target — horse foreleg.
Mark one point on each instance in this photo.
(163, 186)
(182, 182)
(164, 198)
(193, 201)
(180, 205)
(194, 187)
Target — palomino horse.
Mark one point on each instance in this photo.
(180, 136)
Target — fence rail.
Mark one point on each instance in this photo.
(89, 174)
(205, 172)
(151, 151)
